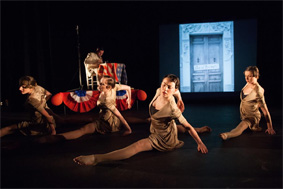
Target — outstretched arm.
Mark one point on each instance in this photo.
(125, 123)
(193, 133)
(40, 108)
(267, 117)
(129, 91)
(50, 120)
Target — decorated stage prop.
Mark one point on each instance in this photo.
(83, 101)
(79, 100)
(114, 70)
(141, 95)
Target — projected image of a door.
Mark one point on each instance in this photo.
(207, 57)
(206, 63)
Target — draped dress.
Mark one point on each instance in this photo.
(108, 121)
(37, 124)
(249, 107)
(163, 129)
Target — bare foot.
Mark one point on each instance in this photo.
(223, 136)
(204, 129)
(85, 160)
(128, 132)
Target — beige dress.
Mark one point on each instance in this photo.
(38, 124)
(163, 128)
(108, 121)
(249, 107)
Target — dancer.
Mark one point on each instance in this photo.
(110, 119)
(181, 106)
(41, 123)
(164, 135)
(252, 98)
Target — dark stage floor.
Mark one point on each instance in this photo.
(253, 160)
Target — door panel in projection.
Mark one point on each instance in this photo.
(206, 63)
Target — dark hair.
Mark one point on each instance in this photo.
(28, 81)
(254, 70)
(99, 49)
(110, 80)
(173, 78)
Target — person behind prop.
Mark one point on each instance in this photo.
(92, 61)
(252, 98)
(110, 119)
(41, 122)
(164, 135)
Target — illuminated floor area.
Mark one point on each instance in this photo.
(253, 160)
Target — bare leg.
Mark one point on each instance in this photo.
(203, 129)
(124, 153)
(87, 129)
(136, 120)
(243, 125)
(181, 129)
(72, 119)
(53, 130)
(8, 130)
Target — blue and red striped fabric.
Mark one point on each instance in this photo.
(81, 101)
(84, 101)
(115, 70)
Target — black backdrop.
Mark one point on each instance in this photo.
(39, 39)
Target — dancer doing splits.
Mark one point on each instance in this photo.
(41, 122)
(110, 119)
(164, 133)
(252, 98)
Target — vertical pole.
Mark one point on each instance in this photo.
(79, 58)
(137, 104)
(65, 110)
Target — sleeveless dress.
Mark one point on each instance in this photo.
(163, 128)
(249, 107)
(38, 124)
